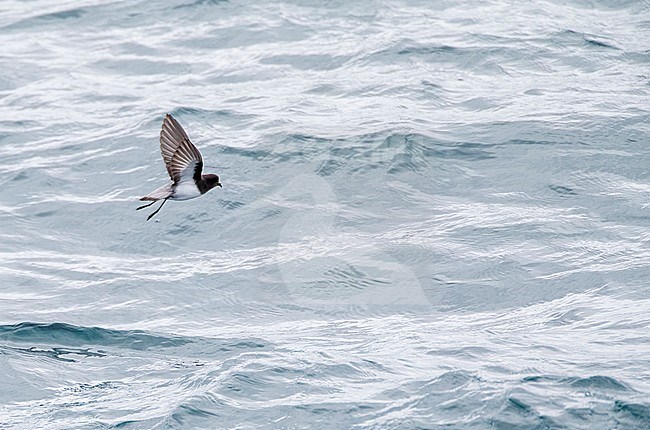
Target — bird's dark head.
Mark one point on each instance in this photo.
(212, 181)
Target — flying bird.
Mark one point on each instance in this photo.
(184, 165)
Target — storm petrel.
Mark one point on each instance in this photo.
(184, 165)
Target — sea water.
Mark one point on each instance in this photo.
(433, 215)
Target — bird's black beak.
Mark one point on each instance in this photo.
(219, 185)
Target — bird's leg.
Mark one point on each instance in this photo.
(157, 210)
(145, 206)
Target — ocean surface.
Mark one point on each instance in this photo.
(434, 214)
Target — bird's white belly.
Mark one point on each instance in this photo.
(186, 190)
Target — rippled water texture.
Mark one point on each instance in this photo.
(433, 214)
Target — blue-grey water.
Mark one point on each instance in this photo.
(433, 215)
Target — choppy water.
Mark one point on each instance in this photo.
(433, 215)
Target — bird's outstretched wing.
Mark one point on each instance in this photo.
(182, 159)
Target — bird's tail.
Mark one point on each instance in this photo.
(163, 192)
